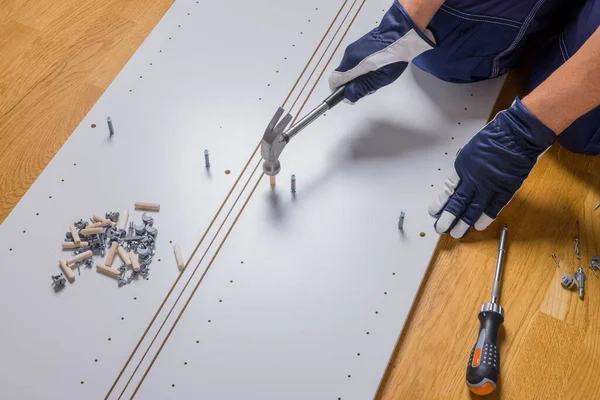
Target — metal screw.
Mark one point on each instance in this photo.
(293, 183)
(111, 130)
(567, 281)
(580, 276)
(401, 221)
(595, 265)
(597, 206)
(577, 254)
(556, 260)
(131, 229)
(206, 159)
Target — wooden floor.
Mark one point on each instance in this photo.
(57, 58)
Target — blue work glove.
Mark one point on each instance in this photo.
(489, 170)
(379, 58)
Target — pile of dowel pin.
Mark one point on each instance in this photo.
(110, 237)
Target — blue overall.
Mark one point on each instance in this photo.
(483, 39)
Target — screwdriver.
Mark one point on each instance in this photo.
(484, 362)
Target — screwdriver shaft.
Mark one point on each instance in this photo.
(499, 263)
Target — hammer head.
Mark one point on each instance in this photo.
(273, 142)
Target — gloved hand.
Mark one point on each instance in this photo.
(379, 58)
(489, 170)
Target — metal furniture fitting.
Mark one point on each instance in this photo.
(206, 159)
(580, 276)
(111, 129)
(401, 221)
(58, 281)
(293, 183)
(567, 281)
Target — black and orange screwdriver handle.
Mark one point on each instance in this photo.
(484, 363)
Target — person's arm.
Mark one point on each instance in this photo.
(571, 91)
(421, 11)
(493, 165)
(381, 56)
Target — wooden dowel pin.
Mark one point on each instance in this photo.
(79, 257)
(73, 245)
(110, 257)
(124, 256)
(74, 234)
(103, 269)
(140, 205)
(91, 231)
(178, 257)
(69, 274)
(123, 219)
(135, 261)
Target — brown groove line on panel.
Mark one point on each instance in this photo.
(215, 217)
(240, 213)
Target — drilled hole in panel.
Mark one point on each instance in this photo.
(93, 125)
(96, 360)
(422, 234)
(227, 172)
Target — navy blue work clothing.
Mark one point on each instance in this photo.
(483, 39)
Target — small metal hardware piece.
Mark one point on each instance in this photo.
(111, 129)
(595, 265)
(293, 183)
(69, 237)
(131, 229)
(577, 254)
(597, 206)
(81, 224)
(113, 216)
(581, 277)
(152, 231)
(567, 281)
(206, 159)
(556, 260)
(139, 229)
(144, 252)
(58, 281)
(147, 220)
(127, 239)
(401, 221)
